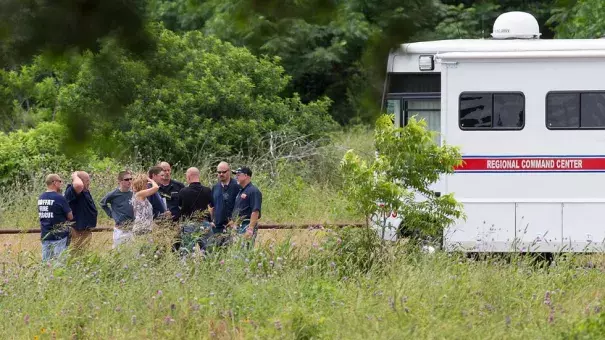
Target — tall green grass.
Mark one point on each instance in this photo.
(302, 186)
(347, 286)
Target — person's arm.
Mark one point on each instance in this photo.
(211, 205)
(256, 202)
(77, 183)
(253, 221)
(105, 201)
(148, 192)
(67, 209)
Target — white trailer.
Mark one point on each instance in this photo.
(529, 117)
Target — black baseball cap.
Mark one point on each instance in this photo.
(243, 170)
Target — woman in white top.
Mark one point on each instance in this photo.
(143, 212)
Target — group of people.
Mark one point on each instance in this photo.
(204, 216)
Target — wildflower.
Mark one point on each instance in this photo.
(159, 292)
(551, 316)
(168, 320)
(222, 262)
(260, 265)
(178, 275)
(547, 300)
(278, 325)
(271, 263)
(332, 264)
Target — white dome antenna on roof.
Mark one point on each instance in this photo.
(516, 25)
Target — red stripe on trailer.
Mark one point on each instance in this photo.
(533, 164)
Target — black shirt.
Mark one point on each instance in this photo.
(248, 200)
(170, 193)
(83, 207)
(195, 197)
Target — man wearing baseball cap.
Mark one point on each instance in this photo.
(247, 210)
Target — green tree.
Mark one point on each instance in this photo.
(579, 19)
(408, 161)
(192, 96)
(475, 19)
(330, 48)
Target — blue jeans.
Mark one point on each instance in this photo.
(52, 249)
(241, 230)
(193, 233)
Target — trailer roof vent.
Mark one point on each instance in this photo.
(516, 25)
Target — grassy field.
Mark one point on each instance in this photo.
(321, 284)
(304, 284)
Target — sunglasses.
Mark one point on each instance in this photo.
(127, 179)
(222, 172)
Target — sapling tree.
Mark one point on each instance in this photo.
(397, 180)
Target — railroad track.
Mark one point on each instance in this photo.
(261, 226)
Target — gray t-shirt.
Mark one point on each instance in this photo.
(117, 206)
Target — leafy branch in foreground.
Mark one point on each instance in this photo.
(408, 161)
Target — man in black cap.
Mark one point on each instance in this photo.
(247, 210)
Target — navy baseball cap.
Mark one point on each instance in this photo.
(243, 170)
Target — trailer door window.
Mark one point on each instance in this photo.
(427, 110)
(575, 110)
(492, 111)
(394, 108)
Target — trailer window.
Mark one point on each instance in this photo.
(575, 110)
(492, 111)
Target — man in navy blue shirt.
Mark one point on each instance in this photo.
(247, 210)
(223, 201)
(84, 209)
(53, 212)
(223, 197)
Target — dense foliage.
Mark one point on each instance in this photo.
(193, 96)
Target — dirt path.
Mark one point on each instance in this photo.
(28, 245)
